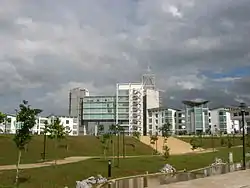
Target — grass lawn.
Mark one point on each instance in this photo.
(78, 146)
(210, 142)
(66, 175)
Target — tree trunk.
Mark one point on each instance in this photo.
(56, 150)
(17, 166)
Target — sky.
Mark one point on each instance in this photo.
(197, 49)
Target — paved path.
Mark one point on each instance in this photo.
(61, 162)
(238, 179)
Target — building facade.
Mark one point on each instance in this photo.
(236, 116)
(197, 116)
(157, 117)
(75, 96)
(98, 110)
(180, 119)
(221, 119)
(129, 107)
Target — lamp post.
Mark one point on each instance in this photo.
(243, 106)
(118, 145)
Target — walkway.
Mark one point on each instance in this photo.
(67, 160)
(238, 179)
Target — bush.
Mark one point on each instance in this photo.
(195, 143)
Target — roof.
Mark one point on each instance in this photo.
(195, 102)
(160, 109)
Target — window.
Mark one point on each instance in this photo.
(74, 132)
(150, 114)
(156, 127)
(209, 120)
(156, 115)
(74, 126)
(67, 121)
(156, 121)
(179, 115)
(162, 121)
(221, 113)
(150, 120)
(235, 114)
(150, 126)
(247, 113)
(75, 120)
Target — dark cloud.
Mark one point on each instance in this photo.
(50, 47)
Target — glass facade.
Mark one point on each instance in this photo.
(222, 120)
(99, 108)
(123, 105)
(197, 118)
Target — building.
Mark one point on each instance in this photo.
(151, 100)
(98, 110)
(236, 116)
(197, 116)
(8, 126)
(75, 96)
(221, 119)
(157, 117)
(180, 119)
(129, 107)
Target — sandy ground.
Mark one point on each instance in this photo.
(177, 146)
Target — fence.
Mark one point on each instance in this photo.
(154, 180)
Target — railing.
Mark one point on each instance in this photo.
(157, 179)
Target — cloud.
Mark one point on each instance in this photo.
(49, 47)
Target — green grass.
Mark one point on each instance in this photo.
(210, 142)
(66, 175)
(78, 146)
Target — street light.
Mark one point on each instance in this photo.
(243, 107)
(118, 145)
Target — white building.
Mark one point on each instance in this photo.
(8, 127)
(70, 124)
(221, 119)
(151, 101)
(157, 117)
(180, 117)
(129, 106)
(236, 116)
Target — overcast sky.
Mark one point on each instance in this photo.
(196, 48)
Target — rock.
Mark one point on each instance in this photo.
(168, 169)
(89, 182)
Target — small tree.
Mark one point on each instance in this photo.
(136, 134)
(153, 141)
(57, 132)
(195, 143)
(165, 130)
(100, 129)
(229, 141)
(105, 141)
(27, 117)
(222, 140)
(166, 152)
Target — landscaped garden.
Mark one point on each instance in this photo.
(77, 146)
(67, 175)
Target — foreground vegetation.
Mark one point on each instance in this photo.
(76, 146)
(66, 175)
